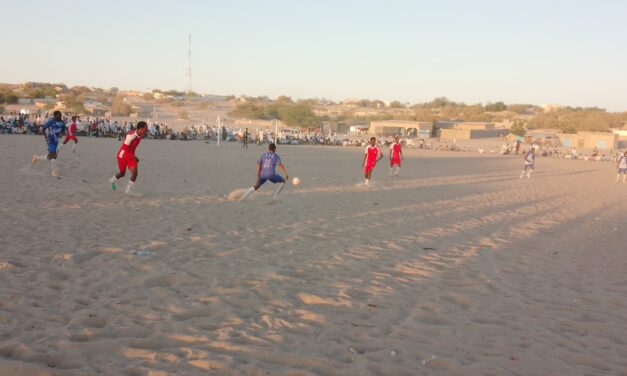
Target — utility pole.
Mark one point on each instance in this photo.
(189, 65)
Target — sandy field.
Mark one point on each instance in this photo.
(457, 267)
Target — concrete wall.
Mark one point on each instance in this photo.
(589, 140)
(394, 127)
(467, 134)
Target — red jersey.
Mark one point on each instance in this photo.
(396, 150)
(372, 153)
(72, 130)
(127, 150)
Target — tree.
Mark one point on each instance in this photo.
(148, 96)
(299, 115)
(248, 110)
(518, 128)
(119, 107)
(496, 107)
(7, 95)
(284, 99)
(114, 91)
(183, 115)
(438, 102)
(396, 104)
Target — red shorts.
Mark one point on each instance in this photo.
(68, 138)
(124, 163)
(368, 168)
(395, 161)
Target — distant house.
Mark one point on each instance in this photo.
(387, 128)
(99, 111)
(589, 140)
(466, 130)
(43, 102)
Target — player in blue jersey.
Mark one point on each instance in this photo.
(266, 170)
(622, 167)
(530, 159)
(52, 130)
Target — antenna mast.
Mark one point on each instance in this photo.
(189, 65)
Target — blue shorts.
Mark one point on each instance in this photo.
(274, 179)
(622, 170)
(52, 147)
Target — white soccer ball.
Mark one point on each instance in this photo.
(295, 181)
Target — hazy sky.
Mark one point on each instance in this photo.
(540, 52)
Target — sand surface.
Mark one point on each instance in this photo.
(457, 267)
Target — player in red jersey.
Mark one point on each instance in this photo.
(126, 156)
(372, 155)
(71, 135)
(396, 155)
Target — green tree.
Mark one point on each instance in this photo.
(518, 128)
(284, 99)
(496, 107)
(299, 115)
(248, 110)
(119, 107)
(438, 102)
(7, 95)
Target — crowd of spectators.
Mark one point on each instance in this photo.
(90, 126)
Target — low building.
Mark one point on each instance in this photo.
(589, 140)
(413, 129)
(468, 134)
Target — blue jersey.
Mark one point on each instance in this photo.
(53, 129)
(268, 162)
(529, 158)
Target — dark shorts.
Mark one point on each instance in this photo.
(274, 179)
(528, 166)
(622, 170)
(52, 147)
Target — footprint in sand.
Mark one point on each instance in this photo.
(161, 281)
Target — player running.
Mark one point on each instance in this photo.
(51, 131)
(71, 135)
(622, 167)
(530, 159)
(126, 156)
(396, 155)
(266, 170)
(372, 155)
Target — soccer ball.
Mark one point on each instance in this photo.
(295, 181)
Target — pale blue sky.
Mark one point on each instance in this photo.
(540, 52)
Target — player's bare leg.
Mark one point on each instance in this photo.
(115, 178)
(250, 191)
(131, 181)
(278, 190)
